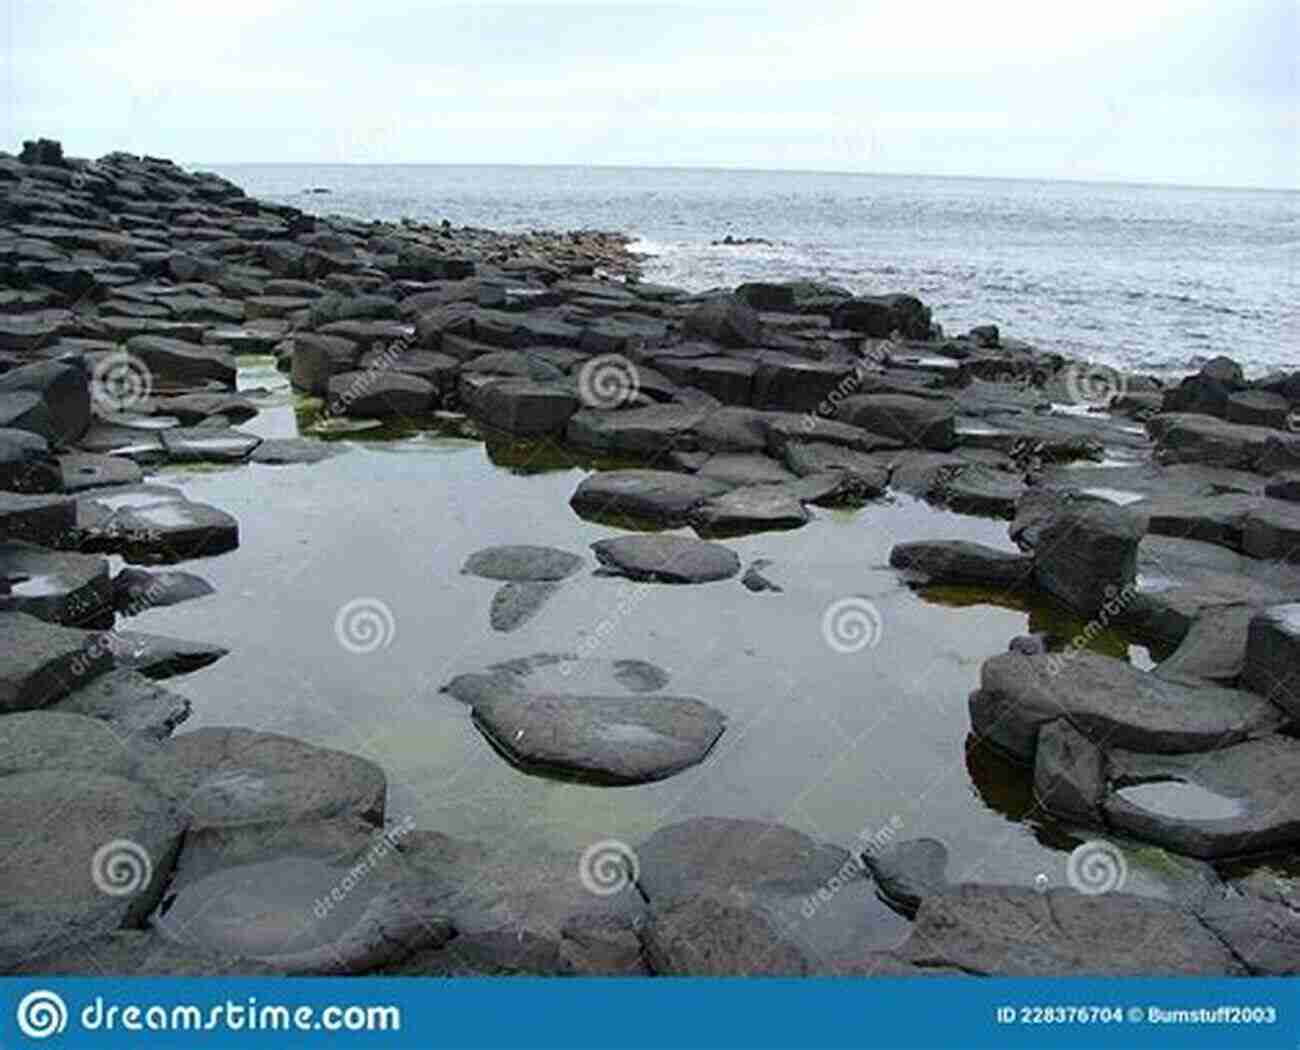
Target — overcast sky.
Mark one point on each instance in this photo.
(1145, 90)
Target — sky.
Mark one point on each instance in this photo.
(1173, 91)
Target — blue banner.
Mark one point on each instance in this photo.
(881, 1013)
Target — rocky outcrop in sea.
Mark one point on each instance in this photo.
(130, 289)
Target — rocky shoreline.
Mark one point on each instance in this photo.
(131, 290)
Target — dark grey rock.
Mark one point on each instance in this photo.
(375, 394)
(495, 954)
(638, 431)
(138, 953)
(64, 390)
(742, 468)
(177, 365)
(1284, 487)
(652, 495)
(317, 358)
(55, 586)
(1239, 799)
(755, 581)
(666, 559)
(287, 451)
(208, 445)
(41, 663)
(157, 656)
(606, 739)
(135, 590)
(867, 473)
(727, 321)
(522, 563)
(1087, 556)
(514, 604)
(1214, 648)
(958, 561)
(760, 508)
(917, 422)
(131, 704)
(240, 776)
(1263, 935)
(1108, 701)
(1012, 932)
(909, 871)
(524, 407)
(1272, 659)
(1258, 408)
(26, 464)
(707, 936)
(1069, 773)
(84, 470)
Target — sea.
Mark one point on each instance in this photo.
(1141, 277)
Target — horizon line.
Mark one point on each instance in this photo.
(740, 169)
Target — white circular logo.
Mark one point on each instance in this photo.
(608, 382)
(607, 867)
(42, 1014)
(851, 625)
(1091, 384)
(1097, 867)
(365, 625)
(120, 382)
(120, 868)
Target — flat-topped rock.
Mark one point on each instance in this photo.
(240, 776)
(525, 407)
(743, 468)
(55, 586)
(959, 561)
(208, 445)
(46, 519)
(917, 422)
(96, 830)
(135, 590)
(153, 523)
(130, 703)
(522, 562)
(868, 473)
(158, 656)
(666, 559)
(291, 898)
(557, 672)
(1087, 554)
(639, 431)
(174, 364)
(1007, 931)
(84, 470)
(1239, 799)
(1195, 438)
(652, 495)
(759, 508)
(379, 394)
(517, 602)
(41, 663)
(605, 739)
(1109, 701)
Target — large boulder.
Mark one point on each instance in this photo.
(726, 320)
(1086, 556)
(958, 561)
(651, 495)
(524, 407)
(379, 394)
(317, 358)
(175, 364)
(880, 316)
(667, 559)
(917, 422)
(1234, 800)
(1272, 661)
(1111, 701)
(603, 739)
(64, 390)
